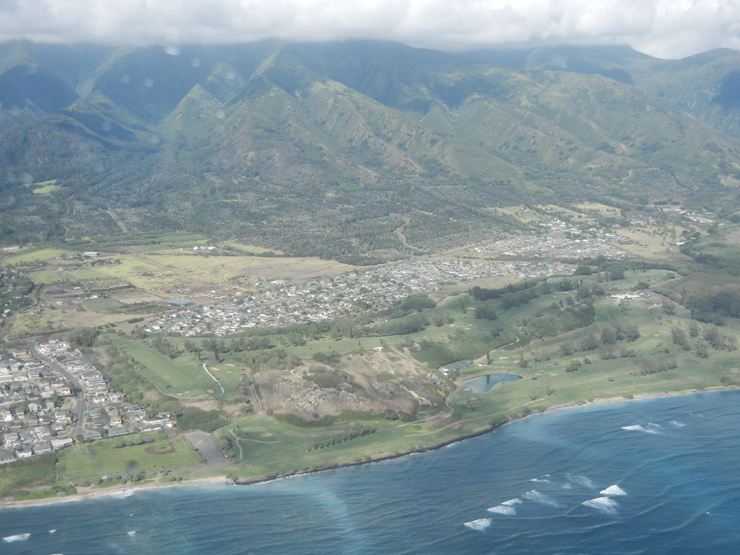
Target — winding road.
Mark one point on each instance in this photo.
(223, 392)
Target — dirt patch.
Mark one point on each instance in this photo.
(268, 434)
(166, 449)
(205, 404)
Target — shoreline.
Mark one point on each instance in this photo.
(122, 490)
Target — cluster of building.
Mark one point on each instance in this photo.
(38, 408)
(586, 246)
(690, 214)
(33, 417)
(284, 303)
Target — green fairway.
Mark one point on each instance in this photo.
(170, 376)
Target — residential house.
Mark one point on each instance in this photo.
(24, 452)
(58, 443)
(41, 448)
(11, 440)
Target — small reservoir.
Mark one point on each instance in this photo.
(481, 384)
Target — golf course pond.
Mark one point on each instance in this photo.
(481, 384)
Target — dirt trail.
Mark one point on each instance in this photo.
(398, 232)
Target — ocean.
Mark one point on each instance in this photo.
(654, 476)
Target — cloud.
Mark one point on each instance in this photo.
(665, 28)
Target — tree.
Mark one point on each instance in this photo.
(679, 338)
(213, 346)
(522, 362)
(608, 336)
(588, 343)
(84, 337)
(630, 333)
(566, 348)
(574, 365)
(441, 317)
(693, 329)
(416, 302)
(701, 348)
(485, 311)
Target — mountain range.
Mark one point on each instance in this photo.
(327, 149)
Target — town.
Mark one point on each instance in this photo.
(51, 396)
(283, 303)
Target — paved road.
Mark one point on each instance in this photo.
(79, 411)
(223, 393)
(208, 449)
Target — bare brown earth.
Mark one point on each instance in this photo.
(405, 387)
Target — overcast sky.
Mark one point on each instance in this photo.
(663, 28)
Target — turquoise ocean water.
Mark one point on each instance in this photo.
(653, 477)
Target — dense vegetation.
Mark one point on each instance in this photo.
(290, 148)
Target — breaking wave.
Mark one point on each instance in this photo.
(543, 479)
(537, 497)
(132, 533)
(512, 502)
(604, 504)
(613, 491)
(479, 525)
(638, 428)
(16, 538)
(582, 481)
(503, 510)
(678, 424)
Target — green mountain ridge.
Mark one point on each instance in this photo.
(326, 149)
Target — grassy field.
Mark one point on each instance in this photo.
(595, 207)
(521, 213)
(167, 273)
(173, 377)
(101, 458)
(102, 305)
(42, 254)
(652, 246)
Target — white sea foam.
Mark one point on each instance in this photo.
(52, 531)
(582, 481)
(479, 525)
(542, 479)
(604, 504)
(537, 497)
(678, 424)
(511, 502)
(16, 538)
(638, 428)
(132, 533)
(503, 510)
(123, 494)
(613, 491)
